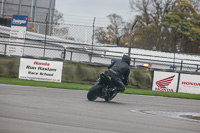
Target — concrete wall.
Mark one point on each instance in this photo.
(9, 66)
(79, 73)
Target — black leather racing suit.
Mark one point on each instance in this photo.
(119, 72)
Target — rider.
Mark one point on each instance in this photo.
(119, 71)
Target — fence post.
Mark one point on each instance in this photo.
(71, 56)
(197, 68)
(5, 49)
(64, 54)
(181, 65)
(92, 40)
(133, 61)
(179, 75)
(130, 39)
(45, 42)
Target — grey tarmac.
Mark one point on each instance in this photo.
(25, 109)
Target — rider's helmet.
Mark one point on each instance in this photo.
(126, 59)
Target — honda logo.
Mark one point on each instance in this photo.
(162, 85)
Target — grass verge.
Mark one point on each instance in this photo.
(15, 81)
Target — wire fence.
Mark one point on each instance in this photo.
(100, 55)
(88, 44)
(78, 33)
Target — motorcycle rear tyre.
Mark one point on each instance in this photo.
(107, 99)
(93, 92)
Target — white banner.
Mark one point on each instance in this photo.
(18, 30)
(16, 46)
(165, 81)
(189, 84)
(41, 70)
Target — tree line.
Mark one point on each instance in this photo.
(162, 25)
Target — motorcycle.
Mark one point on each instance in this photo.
(103, 88)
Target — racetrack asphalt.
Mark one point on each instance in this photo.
(25, 109)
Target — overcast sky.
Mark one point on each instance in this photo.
(83, 11)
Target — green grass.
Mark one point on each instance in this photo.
(164, 94)
(15, 81)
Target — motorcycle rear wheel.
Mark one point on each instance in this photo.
(107, 99)
(93, 92)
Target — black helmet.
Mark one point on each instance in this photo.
(126, 59)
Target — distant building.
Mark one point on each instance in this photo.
(36, 10)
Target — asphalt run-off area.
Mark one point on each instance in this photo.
(26, 109)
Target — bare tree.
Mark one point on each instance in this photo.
(115, 29)
(58, 17)
(151, 11)
(114, 33)
(149, 32)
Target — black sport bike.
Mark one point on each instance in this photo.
(103, 88)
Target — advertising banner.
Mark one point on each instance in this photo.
(189, 84)
(165, 81)
(42, 70)
(19, 20)
(17, 34)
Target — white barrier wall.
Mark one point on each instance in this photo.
(189, 84)
(41, 70)
(165, 81)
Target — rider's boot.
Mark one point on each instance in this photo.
(119, 89)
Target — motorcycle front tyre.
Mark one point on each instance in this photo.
(94, 91)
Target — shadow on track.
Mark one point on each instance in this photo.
(110, 102)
